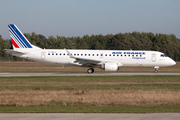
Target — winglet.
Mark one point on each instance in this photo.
(70, 55)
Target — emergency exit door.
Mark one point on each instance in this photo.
(43, 55)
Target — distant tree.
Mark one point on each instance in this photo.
(4, 44)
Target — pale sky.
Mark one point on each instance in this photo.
(86, 17)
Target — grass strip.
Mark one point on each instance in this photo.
(94, 109)
(90, 83)
(148, 94)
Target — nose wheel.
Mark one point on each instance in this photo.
(90, 70)
(156, 69)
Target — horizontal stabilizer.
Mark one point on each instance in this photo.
(10, 51)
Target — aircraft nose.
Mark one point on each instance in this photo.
(172, 62)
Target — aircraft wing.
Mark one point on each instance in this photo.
(85, 62)
(9, 51)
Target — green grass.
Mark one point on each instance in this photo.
(88, 83)
(93, 109)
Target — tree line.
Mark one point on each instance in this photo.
(168, 44)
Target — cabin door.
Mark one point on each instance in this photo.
(153, 57)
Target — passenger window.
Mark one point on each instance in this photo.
(48, 53)
(136, 55)
(81, 54)
(125, 55)
(109, 54)
(85, 54)
(60, 54)
(92, 54)
(129, 55)
(52, 53)
(113, 54)
(56, 54)
(64, 53)
(77, 54)
(105, 54)
(74, 54)
(97, 54)
(89, 54)
(117, 55)
(121, 55)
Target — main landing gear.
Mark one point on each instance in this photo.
(90, 70)
(156, 69)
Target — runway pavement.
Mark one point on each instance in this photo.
(81, 74)
(89, 116)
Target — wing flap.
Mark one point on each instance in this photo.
(84, 60)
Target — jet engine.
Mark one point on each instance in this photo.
(110, 67)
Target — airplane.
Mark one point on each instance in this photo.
(108, 60)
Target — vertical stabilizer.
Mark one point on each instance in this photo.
(18, 39)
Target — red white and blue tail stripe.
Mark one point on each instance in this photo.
(17, 38)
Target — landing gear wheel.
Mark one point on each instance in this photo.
(155, 71)
(90, 70)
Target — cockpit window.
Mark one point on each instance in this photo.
(163, 55)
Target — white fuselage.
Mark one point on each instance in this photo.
(121, 57)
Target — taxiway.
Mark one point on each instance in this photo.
(82, 74)
(89, 116)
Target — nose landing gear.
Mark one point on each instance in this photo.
(90, 70)
(156, 69)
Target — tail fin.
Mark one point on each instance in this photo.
(18, 39)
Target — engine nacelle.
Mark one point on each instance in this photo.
(110, 67)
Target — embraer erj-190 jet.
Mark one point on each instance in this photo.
(108, 60)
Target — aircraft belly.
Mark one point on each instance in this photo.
(136, 62)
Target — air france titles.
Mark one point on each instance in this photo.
(134, 54)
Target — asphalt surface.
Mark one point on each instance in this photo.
(89, 116)
(82, 74)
